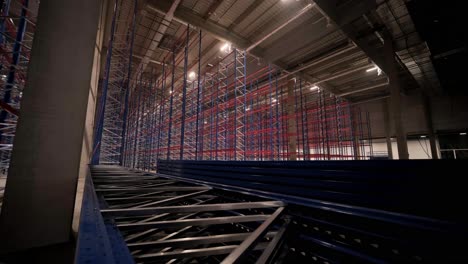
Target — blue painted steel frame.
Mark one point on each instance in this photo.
(98, 241)
(199, 106)
(171, 102)
(184, 96)
(412, 231)
(105, 85)
(16, 59)
(127, 90)
(5, 6)
(268, 178)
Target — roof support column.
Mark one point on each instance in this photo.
(42, 181)
(292, 132)
(387, 128)
(395, 104)
(430, 126)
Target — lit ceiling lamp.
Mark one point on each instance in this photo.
(226, 47)
(375, 68)
(463, 134)
(314, 88)
(192, 75)
(423, 136)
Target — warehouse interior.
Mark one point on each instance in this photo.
(232, 131)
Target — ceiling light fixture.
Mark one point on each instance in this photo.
(192, 75)
(423, 136)
(463, 134)
(314, 88)
(375, 68)
(226, 47)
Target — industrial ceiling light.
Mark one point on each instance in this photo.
(375, 68)
(192, 75)
(423, 137)
(463, 134)
(314, 88)
(226, 47)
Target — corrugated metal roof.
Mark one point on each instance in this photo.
(253, 20)
(291, 46)
(411, 49)
(226, 17)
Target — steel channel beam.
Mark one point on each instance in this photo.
(190, 241)
(269, 250)
(147, 232)
(189, 253)
(173, 199)
(165, 189)
(190, 208)
(196, 222)
(239, 253)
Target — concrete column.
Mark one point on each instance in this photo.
(355, 129)
(430, 126)
(395, 105)
(42, 180)
(387, 128)
(106, 12)
(292, 128)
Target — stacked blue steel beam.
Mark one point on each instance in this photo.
(359, 211)
(132, 216)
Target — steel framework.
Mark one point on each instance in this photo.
(224, 114)
(112, 108)
(147, 218)
(234, 212)
(233, 109)
(17, 25)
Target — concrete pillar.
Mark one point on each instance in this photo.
(356, 129)
(395, 105)
(106, 12)
(292, 128)
(387, 128)
(42, 180)
(430, 126)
